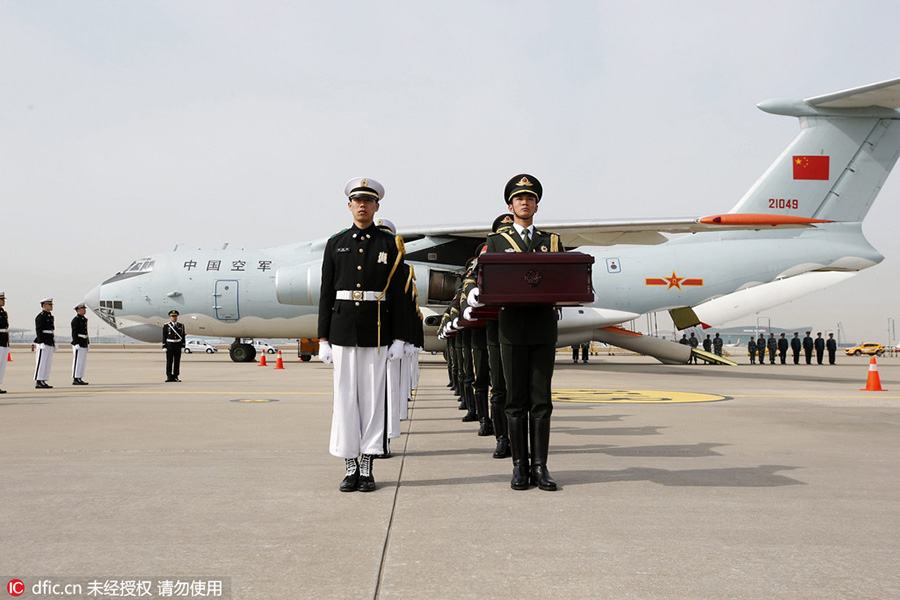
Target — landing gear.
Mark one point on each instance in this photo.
(242, 352)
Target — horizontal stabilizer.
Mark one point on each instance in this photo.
(885, 94)
(751, 300)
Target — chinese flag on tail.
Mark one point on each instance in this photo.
(811, 167)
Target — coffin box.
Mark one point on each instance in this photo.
(523, 278)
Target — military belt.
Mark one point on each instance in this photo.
(4, 330)
(358, 295)
(173, 340)
(47, 331)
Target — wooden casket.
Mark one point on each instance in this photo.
(523, 278)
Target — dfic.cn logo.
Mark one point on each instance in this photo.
(15, 587)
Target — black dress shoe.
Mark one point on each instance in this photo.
(2, 391)
(486, 428)
(351, 480)
(366, 483)
(366, 480)
(541, 478)
(520, 478)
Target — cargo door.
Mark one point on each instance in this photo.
(225, 300)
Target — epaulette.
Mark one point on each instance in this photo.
(340, 232)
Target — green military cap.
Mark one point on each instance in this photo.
(523, 183)
(502, 222)
(173, 313)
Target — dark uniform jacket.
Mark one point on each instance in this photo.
(80, 331)
(526, 325)
(44, 327)
(4, 324)
(783, 346)
(796, 345)
(362, 261)
(173, 331)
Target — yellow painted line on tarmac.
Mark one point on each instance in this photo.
(633, 396)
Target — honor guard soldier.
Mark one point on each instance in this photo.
(528, 336)
(360, 328)
(45, 339)
(4, 338)
(782, 348)
(820, 347)
(173, 342)
(80, 343)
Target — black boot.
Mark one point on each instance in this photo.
(481, 408)
(540, 445)
(518, 441)
(501, 432)
(351, 480)
(471, 414)
(366, 479)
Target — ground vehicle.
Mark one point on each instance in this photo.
(264, 347)
(870, 348)
(199, 346)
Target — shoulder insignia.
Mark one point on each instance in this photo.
(340, 232)
(400, 247)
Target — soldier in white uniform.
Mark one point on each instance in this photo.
(4, 338)
(80, 343)
(45, 339)
(360, 327)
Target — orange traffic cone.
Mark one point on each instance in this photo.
(9, 357)
(262, 361)
(873, 383)
(278, 363)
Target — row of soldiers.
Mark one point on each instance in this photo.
(779, 347)
(45, 343)
(502, 369)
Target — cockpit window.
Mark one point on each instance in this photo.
(142, 265)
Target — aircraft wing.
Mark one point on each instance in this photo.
(628, 231)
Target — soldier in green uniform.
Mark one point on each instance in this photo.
(528, 337)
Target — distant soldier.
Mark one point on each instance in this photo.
(782, 348)
(761, 349)
(80, 343)
(751, 350)
(772, 347)
(694, 342)
(831, 346)
(707, 344)
(4, 338)
(718, 343)
(796, 344)
(808, 348)
(173, 341)
(820, 347)
(45, 339)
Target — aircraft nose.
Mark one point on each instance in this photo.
(92, 298)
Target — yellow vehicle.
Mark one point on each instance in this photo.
(869, 348)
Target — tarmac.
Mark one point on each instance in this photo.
(676, 482)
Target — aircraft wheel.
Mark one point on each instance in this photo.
(242, 353)
(306, 357)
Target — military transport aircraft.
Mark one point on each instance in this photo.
(798, 229)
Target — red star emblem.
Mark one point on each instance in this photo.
(674, 281)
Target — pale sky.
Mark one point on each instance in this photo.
(128, 127)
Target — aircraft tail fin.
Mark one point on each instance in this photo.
(833, 170)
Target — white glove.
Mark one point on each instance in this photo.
(326, 354)
(409, 349)
(396, 350)
(472, 298)
(467, 314)
(456, 324)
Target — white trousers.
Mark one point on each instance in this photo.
(43, 361)
(360, 401)
(79, 361)
(395, 397)
(4, 356)
(405, 364)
